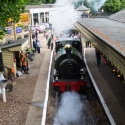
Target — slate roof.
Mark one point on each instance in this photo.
(13, 43)
(42, 6)
(112, 32)
(119, 16)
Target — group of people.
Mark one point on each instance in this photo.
(36, 45)
(34, 34)
(24, 62)
(36, 42)
(75, 35)
(51, 41)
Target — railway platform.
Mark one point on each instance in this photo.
(111, 92)
(24, 105)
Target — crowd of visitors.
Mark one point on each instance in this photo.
(36, 42)
(24, 62)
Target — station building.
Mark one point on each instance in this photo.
(16, 39)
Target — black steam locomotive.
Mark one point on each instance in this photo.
(68, 73)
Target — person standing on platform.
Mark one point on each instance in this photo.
(27, 63)
(38, 46)
(36, 34)
(44, 33)
(33, 34)
(49, 41)
(46, 36)
(52, 42)
(34, 44)
(98, 57)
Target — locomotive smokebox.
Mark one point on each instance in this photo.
(68, 49)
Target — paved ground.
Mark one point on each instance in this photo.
(109, 85)
(15, 110)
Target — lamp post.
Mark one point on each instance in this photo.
(3, 82)
(30, 35)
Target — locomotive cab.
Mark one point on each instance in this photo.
(74, 42)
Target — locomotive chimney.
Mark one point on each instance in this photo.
(68, 49)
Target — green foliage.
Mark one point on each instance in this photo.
(122, 4)
(86, 3)
(10, 9)
(79, 3)
(35, 2)
(112, 6)
(38, 2)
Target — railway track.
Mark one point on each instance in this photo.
(92, 114)
(87, 115)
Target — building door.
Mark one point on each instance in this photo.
(35, 18)
(16, 54)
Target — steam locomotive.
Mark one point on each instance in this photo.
(68, 69)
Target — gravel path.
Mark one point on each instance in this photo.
(15, 110)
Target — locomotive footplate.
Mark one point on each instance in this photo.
(63, 86)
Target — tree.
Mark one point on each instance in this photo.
(122, 4)
(112, 6)
(10, 9)
(37, 2)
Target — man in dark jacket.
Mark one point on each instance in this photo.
(34, 44)
(98, 57)
(49, 41)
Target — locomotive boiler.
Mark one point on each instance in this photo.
(68, 68)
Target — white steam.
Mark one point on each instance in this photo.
(63, 15)
(70, 110)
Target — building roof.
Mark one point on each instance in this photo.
(119, 16)
(82, 8)
(112, 32)
(13, 43)
(41, 6)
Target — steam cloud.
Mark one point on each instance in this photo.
(63, 16)
(70, 110)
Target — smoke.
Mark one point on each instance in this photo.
(63, 16)
(70, 110)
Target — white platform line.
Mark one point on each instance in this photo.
(47, 93)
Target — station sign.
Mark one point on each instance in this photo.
(24, 17)
(18, 29)
(9, 30)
